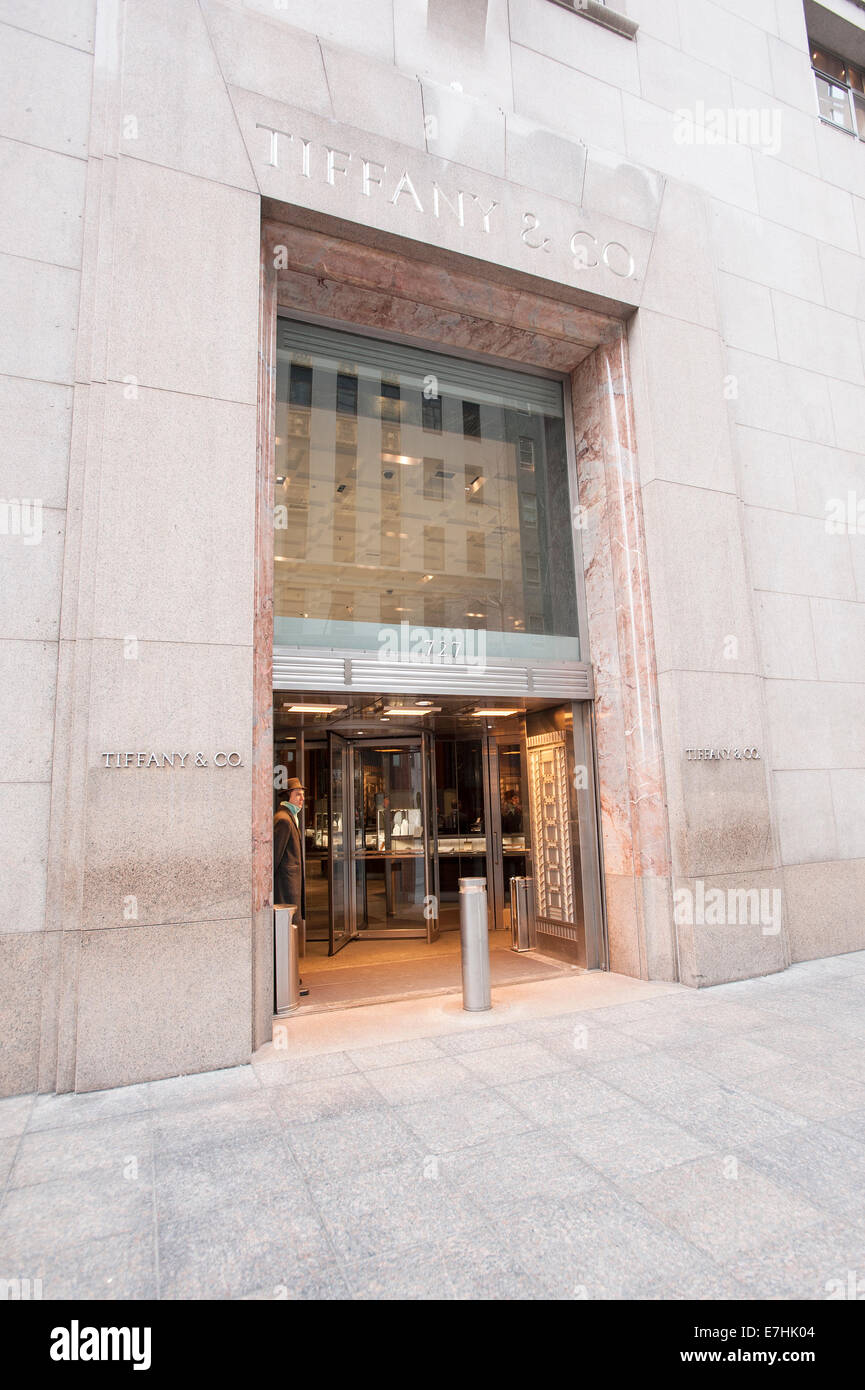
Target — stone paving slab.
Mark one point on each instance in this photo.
(645, 1143)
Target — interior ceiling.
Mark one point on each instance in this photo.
(829, 30)
(365, 713)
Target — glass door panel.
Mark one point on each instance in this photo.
(339, 848)
(391, 872)
(513, 817)
(316, 778)
(431, 857)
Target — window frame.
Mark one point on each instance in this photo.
(852, 92)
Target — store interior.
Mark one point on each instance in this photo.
(405, 796)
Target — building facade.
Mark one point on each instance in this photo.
(370, 369)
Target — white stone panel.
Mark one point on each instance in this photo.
(31, 569)
(580, 106)
(366, 28)
(786, 636)
(839, 636)
(824, 477)
(472, 133)
(46, 90)
(42, 209)
(791, 23)
(816, 338)
(673, 79)
(39, 319)
(719, 808)
(848, 799)
(176, 109)
(374, 96)
(840, 159)
(806, 204)
(23, 855)
(857, 552)
(746, 316)
(185, 308)
(28, 674)
(71, 22)
(685, 384)
(177, 512)
(680, 278)
(615, 186)
(844, 280)
(539, 158)
(262, 53)
(765, 252)
(774, 396)
(759, 12)
(37, 419)
(660, 18)
(174, 838)
(792, 78)
(701, 599)
(454, 41)
(659, 139)
(765, 468)
(824, 908)
(805, 816)
(815, 724)
(795, 555)
(848, 412)
(776, 130)
(571, 39)
(129, 985)
(719, 38)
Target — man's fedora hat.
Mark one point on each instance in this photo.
(294, 784)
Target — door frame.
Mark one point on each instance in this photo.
(339, 744)
(492, 742)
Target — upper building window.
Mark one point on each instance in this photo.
(840, 91)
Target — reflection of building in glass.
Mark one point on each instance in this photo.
(400, 506)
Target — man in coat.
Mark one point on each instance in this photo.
(289, 883)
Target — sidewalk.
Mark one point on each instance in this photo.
(614, 1140)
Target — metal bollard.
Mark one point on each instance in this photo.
(523, 922)
(474, 945)
(286, 966)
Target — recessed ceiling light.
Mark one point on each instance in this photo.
(314, 709)
(485, 713)
(413, 710)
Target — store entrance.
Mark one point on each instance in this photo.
(393, 825)
(393, 820)
(406, 796)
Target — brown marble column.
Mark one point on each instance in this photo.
(621, 647)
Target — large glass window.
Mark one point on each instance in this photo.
(419, 491)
